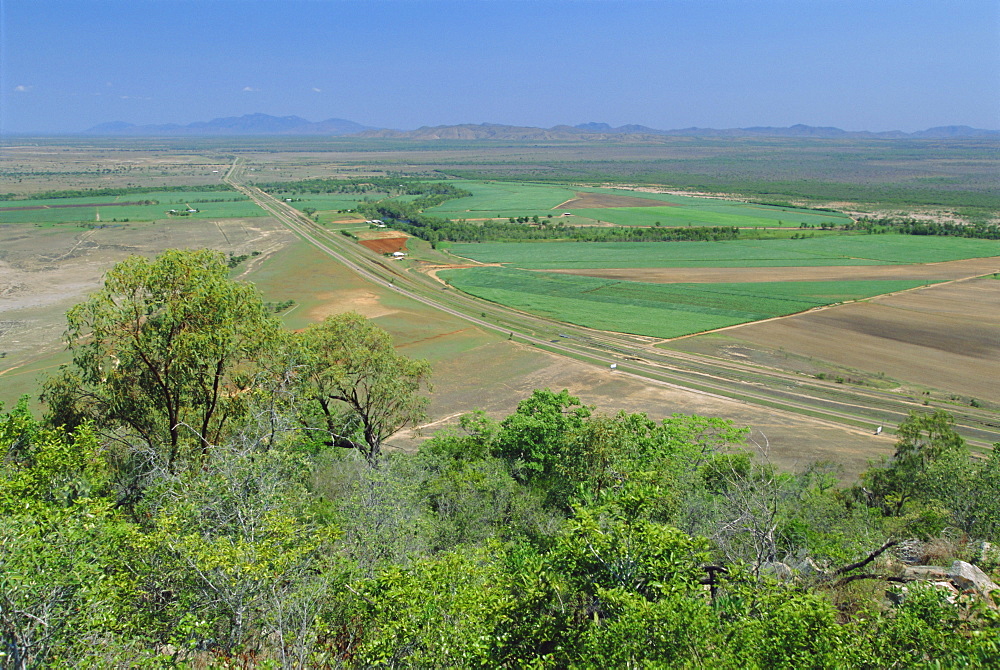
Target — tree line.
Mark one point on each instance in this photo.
(909, 226)
(393, 185)
(408, 218)
(111, 191)
(206, 489)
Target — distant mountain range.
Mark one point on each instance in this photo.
(248, 124)
(264, 124)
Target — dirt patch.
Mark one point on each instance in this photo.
(606, 200)
(378, 234)
(362, 301)
(386, 245)
(496, 376)
(951, 270)
(43, 272)
(674, 191)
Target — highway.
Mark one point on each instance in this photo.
(845, 405)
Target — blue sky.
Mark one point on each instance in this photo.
(869, 65)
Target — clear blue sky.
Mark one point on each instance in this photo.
(858, 65)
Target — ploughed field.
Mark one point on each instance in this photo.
(944, 337)
(897, 307)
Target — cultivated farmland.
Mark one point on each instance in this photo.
(623, 207)
(657, 310)
(479, 367)
(940, 337)
(818, 251)
(134, 207)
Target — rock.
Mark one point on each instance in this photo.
(777, 569)
(926, 572)
(968, 577)
(949, 588)
(807, 567)
(909, 551)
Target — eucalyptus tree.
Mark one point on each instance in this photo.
(168, 351)
(361, 388)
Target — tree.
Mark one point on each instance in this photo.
(924, 439)
(167, 349)
(364, 390)
(533, 438)
(62, 543)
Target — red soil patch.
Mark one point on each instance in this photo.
(386, 245)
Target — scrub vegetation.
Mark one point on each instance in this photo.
(207, 489)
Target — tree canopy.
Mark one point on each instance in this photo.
(364, 389)
(168, 349)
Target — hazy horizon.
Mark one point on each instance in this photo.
(878, 65)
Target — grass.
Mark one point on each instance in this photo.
(658, 310)
(818, 251)
(210, 205)
(707, 211)
(741, 216)
(327, 202)
(506, 199)
(503, 198)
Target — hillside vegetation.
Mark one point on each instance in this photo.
(207, 489)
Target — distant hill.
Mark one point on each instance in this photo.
(248, 124)
(603, 131)
(264, 124)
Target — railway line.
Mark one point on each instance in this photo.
(634, 355)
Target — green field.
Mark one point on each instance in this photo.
(739, 215)
(818, 251)
(505, 199)
(328, 202)
(210, 205)
(658, 310)
(706, 211)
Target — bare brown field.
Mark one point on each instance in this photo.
(385, 245)
(606, 200)
(496, 375)
(43, 272)
(31, 169)
(944, 337)
(947, 271)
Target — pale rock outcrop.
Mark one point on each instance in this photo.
(968, 577)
